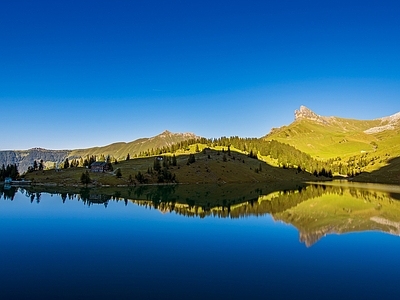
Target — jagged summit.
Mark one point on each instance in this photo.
(167, 133)
(306, 113)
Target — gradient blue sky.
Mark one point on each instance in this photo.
(76, 74)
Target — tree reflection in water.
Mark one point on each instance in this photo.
(315, 210)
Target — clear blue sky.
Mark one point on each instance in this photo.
(76, 74)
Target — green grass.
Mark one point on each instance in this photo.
(344, 138)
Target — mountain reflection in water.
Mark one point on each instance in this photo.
(315, 209)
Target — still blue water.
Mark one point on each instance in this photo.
(56, 250)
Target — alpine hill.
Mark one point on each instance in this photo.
(358, 145)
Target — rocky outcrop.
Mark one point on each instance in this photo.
(387, 123)
(25, 158)
(306, 113)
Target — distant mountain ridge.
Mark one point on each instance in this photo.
(25, 158)
(121, 150)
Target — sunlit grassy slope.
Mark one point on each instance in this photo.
(332, 137)
(341, 137)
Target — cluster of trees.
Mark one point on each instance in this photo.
(74, 163)
(160, 170)
(36, 166)
(184, 145)
(287, 156)
(88, 160)
(9, 171)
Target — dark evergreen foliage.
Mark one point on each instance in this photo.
(9, 171)
(191, 159)
(85, 178)
(66, 163)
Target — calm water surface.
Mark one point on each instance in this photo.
(315, 242)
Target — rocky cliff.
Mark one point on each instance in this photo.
(25, 158)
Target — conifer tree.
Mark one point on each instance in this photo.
(66, 163)
(85, 178)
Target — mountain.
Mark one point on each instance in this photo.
(332, 137)
(25, 158)
(121, 150)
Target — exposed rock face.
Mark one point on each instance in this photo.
(387, 123)
(25, 158)
(306, 113)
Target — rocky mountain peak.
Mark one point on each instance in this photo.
(167, 133)
(306, 113)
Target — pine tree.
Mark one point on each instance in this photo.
(41, 165)
(85, 178)
(66, 163)
(156, 165)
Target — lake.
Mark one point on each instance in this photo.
(201, 242)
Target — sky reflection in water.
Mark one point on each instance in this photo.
(50, 249)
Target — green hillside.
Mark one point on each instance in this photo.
(374, 141)
(325, 140)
